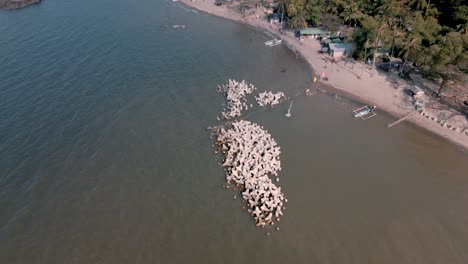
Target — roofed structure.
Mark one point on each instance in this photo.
(340, 49)
(313, 33)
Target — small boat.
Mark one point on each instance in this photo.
(273, 42)
(365, 112)
(277, 42)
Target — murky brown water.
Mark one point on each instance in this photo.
(105, 157)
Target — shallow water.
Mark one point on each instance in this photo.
(105, 157)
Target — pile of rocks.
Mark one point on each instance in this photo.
(269, 98)
(235, 97)
(250, 156)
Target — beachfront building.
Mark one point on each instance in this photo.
(338, 50)
(315, 33)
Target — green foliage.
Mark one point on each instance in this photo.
(428, 28)
(410, 48)
(283, 6)
(352, 12)
(448, 58)
(312, 11)
(301, 12)
(427, 33)
(419, 4)
(447, 10)
(461, 18)
(364, 36)
(330, 21)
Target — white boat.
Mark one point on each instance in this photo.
(273, 42)
(365, 112)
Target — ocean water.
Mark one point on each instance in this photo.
(105, 156)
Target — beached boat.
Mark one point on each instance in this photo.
(276, 42)
(365, 112)
(273, 42)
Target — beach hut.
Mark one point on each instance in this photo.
(307, 33)
(340, 49)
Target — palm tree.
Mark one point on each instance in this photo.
(385, 15)
(419, 4)
(296, 12)
(313, 10)
(410, 49)
(427, 6)
(295, 6)
(298, 20)
(282, 7)
(351, 12)
(397, 33)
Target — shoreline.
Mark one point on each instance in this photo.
(373, 87)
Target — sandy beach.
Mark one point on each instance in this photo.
(354, 79)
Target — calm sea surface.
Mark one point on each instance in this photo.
(105, 157)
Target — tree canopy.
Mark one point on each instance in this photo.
(431, 34)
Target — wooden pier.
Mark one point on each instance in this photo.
(406, 116)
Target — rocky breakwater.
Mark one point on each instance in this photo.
(250, 154)
(235, 97)
(16, 4)
(269, 99)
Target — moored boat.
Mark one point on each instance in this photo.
(365, 112)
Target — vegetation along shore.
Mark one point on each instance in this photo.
(407, 57)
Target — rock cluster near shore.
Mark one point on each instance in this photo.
(269, 98)
(235, 97)
(16, 4)
(250, 156)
